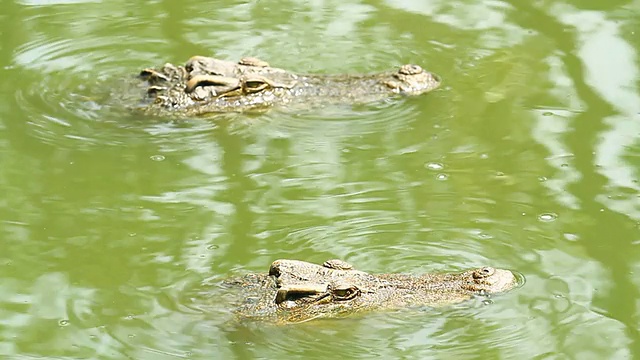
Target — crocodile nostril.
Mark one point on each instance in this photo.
(483, 272)
(410, 69)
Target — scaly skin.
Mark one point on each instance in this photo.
(208, 85)
(297, 291)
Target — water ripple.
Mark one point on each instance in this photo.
(57, 89)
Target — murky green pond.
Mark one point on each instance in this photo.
(115, 228)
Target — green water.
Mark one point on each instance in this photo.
(115, 229)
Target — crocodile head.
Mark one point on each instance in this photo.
(305, 291)
(209, 85)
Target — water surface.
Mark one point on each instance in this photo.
(115, 228)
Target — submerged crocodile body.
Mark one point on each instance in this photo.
(208, 85)
(297, 291)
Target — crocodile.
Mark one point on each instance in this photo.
(296, 291)
(208, 85)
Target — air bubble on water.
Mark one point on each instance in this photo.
(64, 322)
(547, 217)
(571, 237)
(213, 247)
(442, 177)
(487, 302)
(157, 157)
(434, 166)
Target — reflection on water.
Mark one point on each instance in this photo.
(116, 229)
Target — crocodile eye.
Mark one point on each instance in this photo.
(345, 292)
(254, 84)
(251, 86)
(483, 272)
